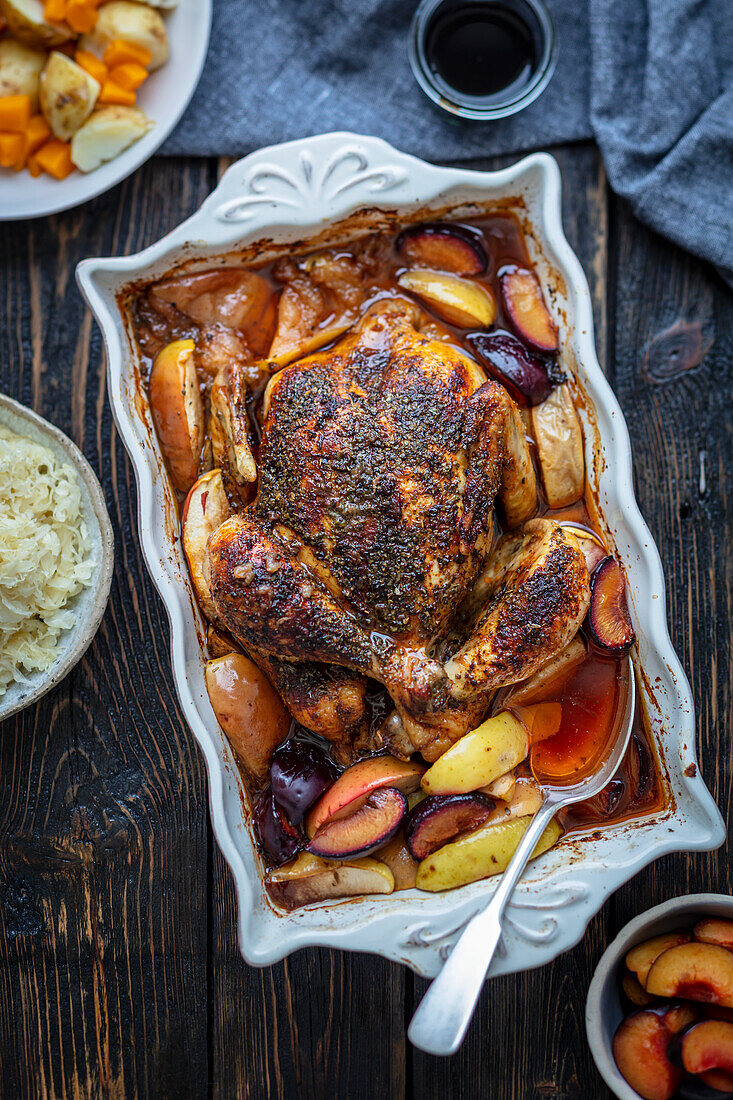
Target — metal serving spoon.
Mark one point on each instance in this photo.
(443, 1015)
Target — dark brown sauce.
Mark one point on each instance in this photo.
(481, 49)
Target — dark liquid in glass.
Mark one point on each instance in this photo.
(481, 49)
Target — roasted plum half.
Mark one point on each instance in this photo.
(300, 772)
(440, 818)
(608, 615)
(525, 307)
(529, 378)
(446, 247)
(280, 839)
(368, 828)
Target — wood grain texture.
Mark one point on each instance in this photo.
(120, 974)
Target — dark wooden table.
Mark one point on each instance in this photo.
(119, 969)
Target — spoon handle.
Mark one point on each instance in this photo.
(445, 1011)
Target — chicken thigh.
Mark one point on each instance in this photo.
(370, 542)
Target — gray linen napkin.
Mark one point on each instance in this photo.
(651, 79)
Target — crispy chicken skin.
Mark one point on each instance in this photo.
(380, 464)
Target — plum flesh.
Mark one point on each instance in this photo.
(440, 818)
(453, 248)
(608, 615)
(368, 828)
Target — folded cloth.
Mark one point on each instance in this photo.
(651, 79)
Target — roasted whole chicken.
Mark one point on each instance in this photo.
(368, 550)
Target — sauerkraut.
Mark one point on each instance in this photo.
(45, 555)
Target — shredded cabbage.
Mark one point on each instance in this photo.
(45, 555)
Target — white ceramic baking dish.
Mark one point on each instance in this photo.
(330, 188)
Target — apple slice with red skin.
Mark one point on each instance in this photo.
(525, 307)
(177, 411)
(440, 818)
(353, 787)
(529, 379)
(695, 972)
(715, 930)
(205, 508)
(707, 1046)
(457, 249)
(368, 828)
(640, 958)
(608, 615)
(640, 1048)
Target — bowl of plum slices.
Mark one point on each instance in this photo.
(385, 493)
(659, 1014)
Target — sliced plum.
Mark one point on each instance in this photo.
(714, 1084)
(369, 827)
(640, 1048)
(460, 302)
(280, 839)
(447, 247)
(720, 1080)
(640, 958)
(708, 1046)
(354, 786)
(715, 930)
(525, 307)
(608, 616)
(634, 991)
(529, 379)
(695, 972)
(440, 818)
(300, 772)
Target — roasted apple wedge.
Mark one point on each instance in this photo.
(178, 415)
(593, 549)
(445, 247)
(640, 958)
(559, 438)
(525, 307)
(483, 852)
(278, 836)
(695, 972)
(230, 432)
(542, 720)
(461, 302)
(529, 379)
(608, 614)
(248, 709)
(309, 879)
(715, 930)
(206, 507)
(440, 818)
(300, 772)
(364, 830)
(354, 786)
(396, 856)
(640, 1047)
(479, 757)
(525, 801)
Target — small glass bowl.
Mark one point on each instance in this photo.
(503, 103)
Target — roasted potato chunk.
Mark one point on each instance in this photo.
(133, 22)
(20, 70)
(68, 94)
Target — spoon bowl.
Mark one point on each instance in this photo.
(442, 1017)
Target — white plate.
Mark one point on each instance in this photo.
(337, 185)
(164, 97)
(90, 603)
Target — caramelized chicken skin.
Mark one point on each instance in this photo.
(380, 463)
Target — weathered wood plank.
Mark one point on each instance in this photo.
(103, 817)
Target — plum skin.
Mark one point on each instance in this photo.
(278, 837)
(529, 378)
(300, 772)
(471, 257)
(469, 811)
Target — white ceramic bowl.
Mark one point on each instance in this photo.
(331, 187)
(164, 97)
(604, 1010)
(90, 603)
